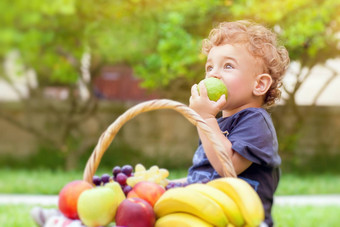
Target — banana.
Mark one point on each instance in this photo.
(245, 197)
(230, 208)
(181, 220)
(189, 201)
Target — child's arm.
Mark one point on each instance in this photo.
(240, 163)
(208, 109)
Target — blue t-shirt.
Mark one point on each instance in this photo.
(253, 136)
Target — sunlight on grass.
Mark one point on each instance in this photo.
(16, 216)
(284, 216)
(50, 182)
(306, 216)
(291, 184)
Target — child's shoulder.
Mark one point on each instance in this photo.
(250, 115)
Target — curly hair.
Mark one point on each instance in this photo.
(261, 43)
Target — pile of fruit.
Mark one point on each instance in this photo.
(143, 198)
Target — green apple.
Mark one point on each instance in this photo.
(119, 194)
(215, 88)
(97, 206)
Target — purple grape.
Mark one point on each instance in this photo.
(105, 178)
(170, 185)
(121, 179)
(185, 184)
(127, 189)
(178, 184)
(116, 170)
(127, 170)
(205, 180)
(96, 180)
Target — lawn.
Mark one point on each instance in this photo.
(284, 216)
(50, 182)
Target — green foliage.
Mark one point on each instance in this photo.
(160, 40)
(176, 51)
(307, 28)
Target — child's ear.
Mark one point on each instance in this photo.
(262, 84)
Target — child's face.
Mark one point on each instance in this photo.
(237, 68)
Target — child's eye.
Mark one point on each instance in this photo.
(209, 68)
(228, 66)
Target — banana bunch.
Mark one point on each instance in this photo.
(221, 202)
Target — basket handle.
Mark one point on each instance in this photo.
(107, 136)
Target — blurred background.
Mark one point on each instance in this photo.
(69, 68)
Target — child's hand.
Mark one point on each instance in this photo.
(202, 104)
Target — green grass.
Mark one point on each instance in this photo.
(291, 184)
(35, 181)
(16, 216)
(47, 181)
(306, 216)
(284, 216)
(50, 182)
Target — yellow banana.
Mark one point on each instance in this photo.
(181, 220)
(245, 197)
(230, 208)
(189, 201)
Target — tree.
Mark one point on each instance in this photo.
(54, 38)
(159, 39)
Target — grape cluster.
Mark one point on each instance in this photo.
(127, 178)
(119, 174)
(153, 174)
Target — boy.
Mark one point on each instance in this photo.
(246, 57)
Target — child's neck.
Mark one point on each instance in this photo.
(230, 112)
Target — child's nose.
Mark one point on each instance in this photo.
(214, 74)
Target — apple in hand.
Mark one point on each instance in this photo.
(97, 206)
(147, 190)
(68, 197)
(135, 212)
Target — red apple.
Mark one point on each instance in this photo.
(135, 212)
(68, 197)
(147, 190)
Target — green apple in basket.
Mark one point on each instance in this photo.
(119, 194)
(97, 206)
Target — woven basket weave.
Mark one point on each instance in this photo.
(110, 133)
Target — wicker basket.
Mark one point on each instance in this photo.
(110, 133)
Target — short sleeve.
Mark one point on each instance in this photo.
(253, 136)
